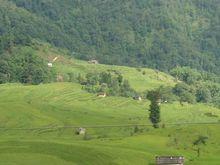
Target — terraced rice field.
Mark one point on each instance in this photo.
(32, 120)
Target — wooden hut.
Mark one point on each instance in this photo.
(169, 160)
(80, 131)
(103, 95)
(93, 62)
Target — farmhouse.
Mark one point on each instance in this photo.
(93, 62)
(102, 95)
(81, 131)
(137, 98)
(169, 160)
(50, 65)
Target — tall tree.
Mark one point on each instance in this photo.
(155, 98)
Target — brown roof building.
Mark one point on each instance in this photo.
(169, 160)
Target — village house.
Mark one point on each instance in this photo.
(93, 62)
(139, 98)
(169, 160)
(80, 131)
(102, 95)
(50, 65)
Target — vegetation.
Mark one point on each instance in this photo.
(196, 86)
(24, 66)
(111, 83)
(153, 33)
(63, 104)
(39, 120)
(198, 142)
(155, 98)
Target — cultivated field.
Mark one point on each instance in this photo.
(32, 132)
(38, 123)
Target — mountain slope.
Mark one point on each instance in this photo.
(31, 120)
(154, 33)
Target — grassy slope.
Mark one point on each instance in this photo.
(66, 104)
(140, 82)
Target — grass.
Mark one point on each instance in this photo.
(65, 104)
(139, 81)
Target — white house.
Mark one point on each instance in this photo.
(50, 65)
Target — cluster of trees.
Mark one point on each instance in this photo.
(24, 66)
(110, 82)
(183, 92)
(192, 76)
(153, 33)
(196, 86)
(193, 87)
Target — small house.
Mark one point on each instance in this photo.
(93, 62)
(50, 65)
(169, 160)
(81, 131)
(139, 98)
(103, 95)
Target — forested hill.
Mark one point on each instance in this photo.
(159, 34)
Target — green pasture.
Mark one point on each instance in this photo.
(31, 120)
(38, 123)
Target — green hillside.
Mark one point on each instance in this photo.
(153, 33)
(51, 106)
(109, 82)
(65, 65)
(38, 122)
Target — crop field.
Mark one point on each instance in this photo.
(38, 125)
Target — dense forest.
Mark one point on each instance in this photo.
(23, 65)
(160, 34)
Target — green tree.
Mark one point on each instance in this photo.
(126, 89)
(34, 70)
(185, 93)
(203, 94)
(166, 94)
(186, 74)
(155, 98)
(4, 71)
(202, 140)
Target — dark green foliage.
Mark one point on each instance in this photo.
(167, 94)
(24, 66)
(34, 70)
(203, 94)
(153, 33)
(155, 98)
(4, 70)
(192, 76)
(202, 85)
(185, 92)
(136, 129)
(186, 74)
(200, 141)
(110, 82)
